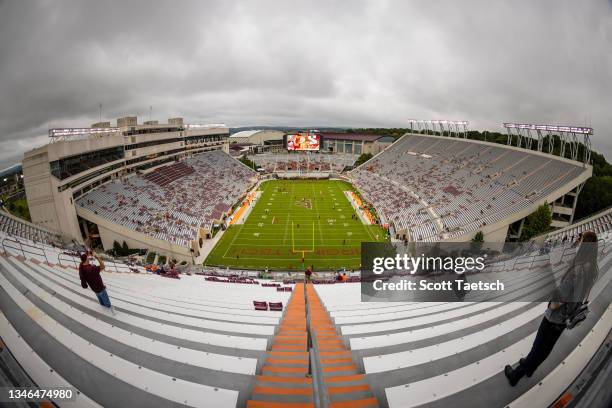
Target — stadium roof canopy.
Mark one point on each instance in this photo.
(15, 168)
(245, 133)
(351, 136)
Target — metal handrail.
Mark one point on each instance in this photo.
(320, 397)
(21, 248)
(67, 257)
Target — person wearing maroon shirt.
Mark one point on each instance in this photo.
(308, 274)
(90, 276)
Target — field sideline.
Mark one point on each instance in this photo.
(295, 218)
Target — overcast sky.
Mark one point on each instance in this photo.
(333, 63)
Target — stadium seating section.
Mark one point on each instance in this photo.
(202, 343)
(173, 202)
(304, 162)
(437, 187)
(16, 228)
(599, 223)
(167, 174)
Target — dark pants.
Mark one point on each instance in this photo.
(103, 298)
(545, 340)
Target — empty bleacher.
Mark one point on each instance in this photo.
(197, 342)
(173, 202)
(189, 341)
(304, 162)
(438, 188)
(10, 225)
(598, 223)
(453, 354)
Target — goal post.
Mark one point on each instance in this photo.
(302, 250)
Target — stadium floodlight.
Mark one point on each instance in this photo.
(205, 126)
(520, 134)
(551, 128)
(449, 122)
(449, 127)
(61, 132)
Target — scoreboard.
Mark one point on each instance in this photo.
(303, 142)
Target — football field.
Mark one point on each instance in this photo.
(294, 224)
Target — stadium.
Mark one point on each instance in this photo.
(209, 237)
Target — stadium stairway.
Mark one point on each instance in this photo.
(150, 353)
(345, 385)
(284, 381)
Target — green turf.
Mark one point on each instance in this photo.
(293, 216)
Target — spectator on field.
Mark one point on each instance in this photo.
(573, 290)
(90, 276)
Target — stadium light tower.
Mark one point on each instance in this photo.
(457, 127)
(568, 137)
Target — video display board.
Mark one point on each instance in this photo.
(304, 142)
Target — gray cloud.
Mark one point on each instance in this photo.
(344, 63)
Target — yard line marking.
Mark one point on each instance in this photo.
(233, 239)
(288, 216)
(314, 195)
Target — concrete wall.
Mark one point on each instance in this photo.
(111, 232)
(374, 147)
(51, 200)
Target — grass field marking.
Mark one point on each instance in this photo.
(348, 241)
(303, 251)
(357, 258)
(288, 213)
(314, 196)
(313, 240)
(275, 247)
(233, 239)
(369, 232)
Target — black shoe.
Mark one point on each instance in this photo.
(513, 375)
(527, 373)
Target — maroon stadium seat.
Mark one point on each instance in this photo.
(276, 306)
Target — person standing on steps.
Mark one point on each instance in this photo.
(566, 305)
(90, 276)
(308, 274)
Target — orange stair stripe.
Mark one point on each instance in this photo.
(275, 379)
(268, 404)
(347, 389)
(283, 391)
(288, 353)
(362, 403)
(285, 361)
(339, 368)
(336, 360)
(344, 378)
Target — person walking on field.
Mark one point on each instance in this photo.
(564, 311)
(90, 276)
